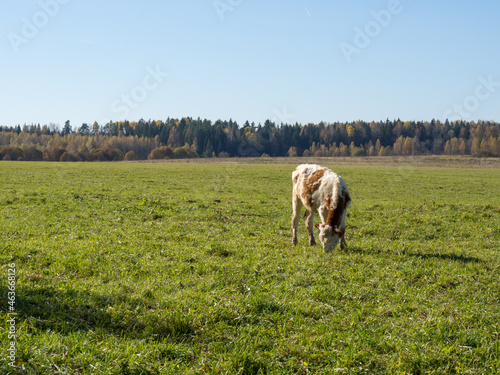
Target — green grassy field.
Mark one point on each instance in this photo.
(174, 268)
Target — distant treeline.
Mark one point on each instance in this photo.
(191, 138)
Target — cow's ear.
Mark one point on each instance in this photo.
(338, 232)
(316, 225)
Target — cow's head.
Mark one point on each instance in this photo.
(329, 236)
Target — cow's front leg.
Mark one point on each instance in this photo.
(309, 227)
(343, 243)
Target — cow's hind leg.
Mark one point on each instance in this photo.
(297, 205)
(309, 226)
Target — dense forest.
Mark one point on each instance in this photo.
(191, 138)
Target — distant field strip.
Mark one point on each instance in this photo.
(188, 268)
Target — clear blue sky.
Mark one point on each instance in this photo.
(89, 60)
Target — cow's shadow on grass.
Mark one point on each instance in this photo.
(69, 310)
(453, 257)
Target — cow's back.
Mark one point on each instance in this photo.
(313, 183)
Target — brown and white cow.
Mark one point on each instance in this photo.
(320, 190)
